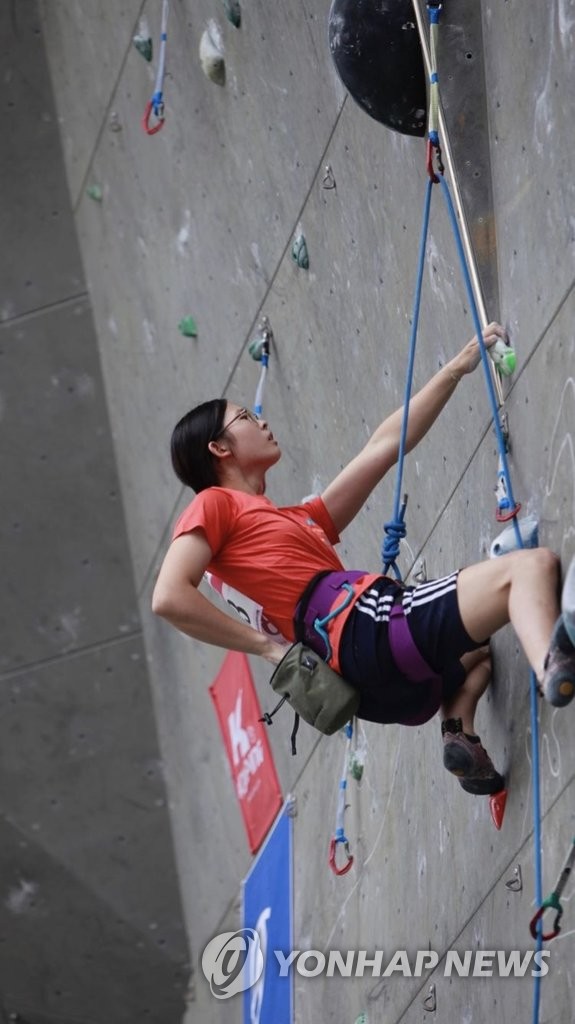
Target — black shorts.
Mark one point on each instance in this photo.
(432, 613)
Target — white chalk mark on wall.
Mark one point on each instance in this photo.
(21, 898)
(342, 908)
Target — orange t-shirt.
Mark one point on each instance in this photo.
(268, 553)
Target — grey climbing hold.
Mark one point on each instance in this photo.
(430, 1001)
(262, 340)
(212, 57)
(328, 180)
(419, 571)
(145, 46)
(299, 252)
(114, 123)
(291, 805)
(515, 883)
(233, 12)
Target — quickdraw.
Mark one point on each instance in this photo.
(553, 902)
(156, 105)
(339, 838)
(259, 350)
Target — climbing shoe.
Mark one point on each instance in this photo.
(568, 602)
(464, 757)
(558, 683)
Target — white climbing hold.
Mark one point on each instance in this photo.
(212, 55)
(506, 541)
(568, 602)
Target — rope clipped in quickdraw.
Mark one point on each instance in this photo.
(497, 801)
(434, 9)
(259, 349)
(553, 901)
(339, 838)
(395, 529)
(155, 106)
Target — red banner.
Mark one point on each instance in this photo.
(245, 738)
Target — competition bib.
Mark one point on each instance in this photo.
(249, 611)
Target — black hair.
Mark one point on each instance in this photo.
(192, 460)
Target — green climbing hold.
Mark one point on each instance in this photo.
(233, 12)
(187, 327)
(256, 348)
(504, 357)
(356, 766)
(299, 252)
(362, 1019)
(95, 192)
(145, 46)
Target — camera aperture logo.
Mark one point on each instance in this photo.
(232, 962)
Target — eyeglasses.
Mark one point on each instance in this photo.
(243, 414)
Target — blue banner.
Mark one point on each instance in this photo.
(268, 905)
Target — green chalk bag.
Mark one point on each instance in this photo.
(315, 692)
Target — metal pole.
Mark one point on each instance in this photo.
(448, 157)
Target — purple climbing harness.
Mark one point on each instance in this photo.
(316, 603)
(318, 600)
(411, 664)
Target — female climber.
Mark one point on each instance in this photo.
(381, 634)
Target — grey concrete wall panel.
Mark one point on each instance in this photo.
(90, 895)
(95, 41)
(61, 492)
(504, 914)
(192, 229)
(203, 803)
(34, 195)
(166, 216)
(86, 842)
(532, 96)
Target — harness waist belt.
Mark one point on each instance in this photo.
(316, 602)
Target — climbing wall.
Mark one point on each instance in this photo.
(198, 221)
(90, 917)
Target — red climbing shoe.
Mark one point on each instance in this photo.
(467, 759)
(558, 683)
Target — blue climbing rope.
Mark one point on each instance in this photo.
(395, 528)
(535, 771)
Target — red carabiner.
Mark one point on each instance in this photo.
(504, 515)
(546, 936)
(429, 163)
(148, 128)
(332, 851)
